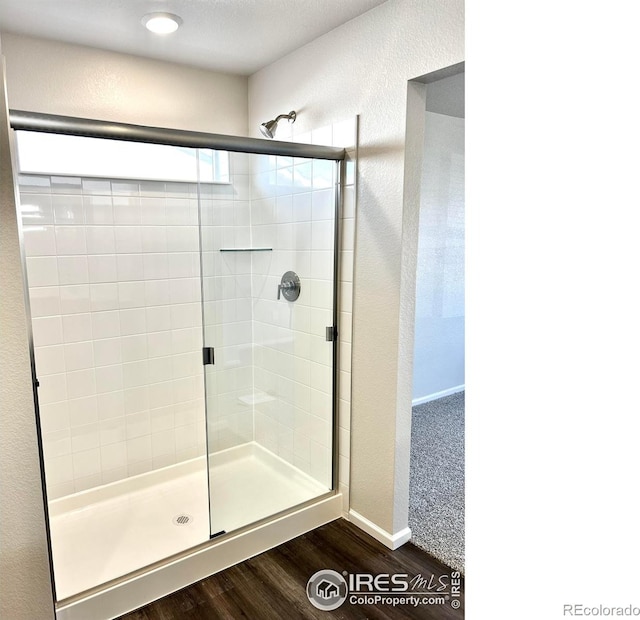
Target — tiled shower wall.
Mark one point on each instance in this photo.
(269, 352)
(293, 209)
(343, 134)
(272, 378)
(113, 269)
(226, 224)
(114, 272)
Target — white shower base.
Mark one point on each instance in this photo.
(250, 483)
(104, 533)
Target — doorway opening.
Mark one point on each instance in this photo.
(436, 497)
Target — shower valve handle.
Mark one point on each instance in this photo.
(289, 286)
(285, 287)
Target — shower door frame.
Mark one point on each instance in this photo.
(48, 123)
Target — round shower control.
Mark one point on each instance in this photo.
(289, 286)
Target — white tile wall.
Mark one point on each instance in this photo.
(113, 271)
(226, 223)
(293, 209)
(342, 134)
(286, 337)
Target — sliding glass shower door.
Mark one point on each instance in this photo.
(111, 238)
(268, 242)
(183, 306)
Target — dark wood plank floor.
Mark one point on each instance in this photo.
(272, 585)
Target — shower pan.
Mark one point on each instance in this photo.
(183, 294)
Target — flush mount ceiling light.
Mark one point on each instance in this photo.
(161, 23)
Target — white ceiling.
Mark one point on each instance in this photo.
(233, 36)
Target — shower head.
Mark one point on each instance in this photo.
(268, 129)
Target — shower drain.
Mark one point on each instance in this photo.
(182, 519)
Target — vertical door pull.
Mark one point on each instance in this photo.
(207, 355)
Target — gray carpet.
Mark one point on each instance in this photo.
(436, 494)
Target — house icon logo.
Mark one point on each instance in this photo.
(327, 590)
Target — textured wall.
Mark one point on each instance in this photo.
(362, 69)
(25, 585)
(59, 78)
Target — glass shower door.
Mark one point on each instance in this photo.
(268, 240)
(183, 307)
(113, 264)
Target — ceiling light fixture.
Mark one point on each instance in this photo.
(161, 23)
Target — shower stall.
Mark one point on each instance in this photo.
(183, 294)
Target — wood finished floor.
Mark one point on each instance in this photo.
(272, 585)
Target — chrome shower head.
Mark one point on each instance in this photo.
(268, 129)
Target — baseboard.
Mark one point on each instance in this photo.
(436, 395)
(393, 541)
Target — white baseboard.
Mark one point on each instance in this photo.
(393, 541)
(436, 395)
